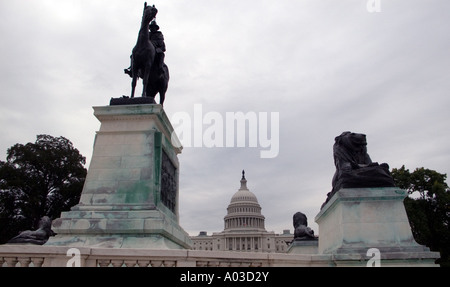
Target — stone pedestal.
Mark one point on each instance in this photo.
(130, 196)
(357, 219)
(303, 247)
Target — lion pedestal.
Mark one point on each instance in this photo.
(365, 210)
(303, 247)
(357, 219)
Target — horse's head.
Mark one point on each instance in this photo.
(149, 12)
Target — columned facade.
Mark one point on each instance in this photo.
(244, 211)
(244, 228)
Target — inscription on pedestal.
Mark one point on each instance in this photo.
(168, 183)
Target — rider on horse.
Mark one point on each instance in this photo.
(157, 39)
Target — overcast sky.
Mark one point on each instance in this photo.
(324, 66)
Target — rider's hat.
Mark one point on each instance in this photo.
(153, 24)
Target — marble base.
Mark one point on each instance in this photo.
(150, 229)
(125, 202)
(303, 247)
(357, 219)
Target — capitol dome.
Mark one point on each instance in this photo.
(244, 195)
(244, 228)
(244, 211)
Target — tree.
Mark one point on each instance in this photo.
(429, 213)
(38, 179)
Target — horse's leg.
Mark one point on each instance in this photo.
(133, 85)
(151, 93)
(145, 80)
(163, 84)
(163, 87)
(162, 96)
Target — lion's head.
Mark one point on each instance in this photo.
(299, 219)
(350, 148)
(45, 223)
(301, 229)
(354, 168)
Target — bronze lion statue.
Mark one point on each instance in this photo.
(39, 236)
(301, 229)
(354, 168)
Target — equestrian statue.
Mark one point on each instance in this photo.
(147, 58)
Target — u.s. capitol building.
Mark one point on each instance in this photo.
(244, 228)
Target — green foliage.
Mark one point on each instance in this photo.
(421, 180)
(428, 213)
(38, 179)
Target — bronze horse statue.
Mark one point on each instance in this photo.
(143, 65)
(158, 82)
(143, 54)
